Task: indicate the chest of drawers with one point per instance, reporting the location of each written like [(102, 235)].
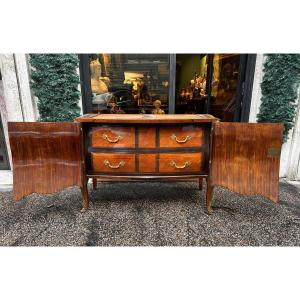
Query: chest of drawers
[(170, 149), (48, 157)]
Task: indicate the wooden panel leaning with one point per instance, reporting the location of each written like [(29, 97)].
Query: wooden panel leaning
[(246, 157), (47, 157)]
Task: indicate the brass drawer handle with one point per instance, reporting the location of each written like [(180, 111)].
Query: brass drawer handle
[(120, 164), (185, 165), (174, 137), (115, 140)]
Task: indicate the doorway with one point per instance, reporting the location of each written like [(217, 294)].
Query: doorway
[(218, 84)]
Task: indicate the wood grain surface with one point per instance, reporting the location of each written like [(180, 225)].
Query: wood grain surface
[(47, 157), (195, 160), (246, 157), (147, 137), (115, 162), (147, 163), (146, 118), (112, 137), (181, 136)]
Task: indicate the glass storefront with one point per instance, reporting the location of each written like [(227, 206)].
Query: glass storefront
[(129, 83), (191, 79), (224, 87), (165, 83)]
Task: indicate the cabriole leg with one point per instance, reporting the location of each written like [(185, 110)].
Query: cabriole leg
[(94, 183), (85, 197), (200, 183), (209, 196)]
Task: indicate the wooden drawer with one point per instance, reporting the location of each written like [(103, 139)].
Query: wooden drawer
[(184, 136), (113, 137), (181, 162), (113, 162)]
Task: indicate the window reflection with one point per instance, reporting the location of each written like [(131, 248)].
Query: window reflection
[(129, 83), (191, 77), (224, 85)]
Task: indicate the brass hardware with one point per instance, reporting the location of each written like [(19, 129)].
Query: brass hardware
[(115, 140), (120, 164), (186, 164), (174, 137), (273, 152)]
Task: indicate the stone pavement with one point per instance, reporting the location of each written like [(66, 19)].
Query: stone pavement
[(150, 214)]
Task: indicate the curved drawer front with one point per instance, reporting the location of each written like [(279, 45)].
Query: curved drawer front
[(181, 162), (184, 136), (113, 162), (113, 137)]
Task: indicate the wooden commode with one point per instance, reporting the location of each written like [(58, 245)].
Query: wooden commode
[(243, 157)]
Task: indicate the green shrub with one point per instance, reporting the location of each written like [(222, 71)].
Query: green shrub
[(280, 89), (54, 80)]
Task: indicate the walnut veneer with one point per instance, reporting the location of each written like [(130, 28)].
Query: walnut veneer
[(48, 157)]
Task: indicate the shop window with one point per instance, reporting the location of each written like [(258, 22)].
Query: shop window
[(224, 86), (191, 83), (129, 83), (218, 84)]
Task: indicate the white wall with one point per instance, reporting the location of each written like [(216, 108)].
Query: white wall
[(290, 154), (16, 101), (293, 161), (256, 90)]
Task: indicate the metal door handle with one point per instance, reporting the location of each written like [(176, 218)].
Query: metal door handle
[(185, 165), (111, 140), (120, 164), (174, 137)]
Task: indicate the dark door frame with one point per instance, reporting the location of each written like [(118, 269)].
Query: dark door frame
[(244, 89), (209, 77), (85, 83), (172, 83), (247, 87)]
